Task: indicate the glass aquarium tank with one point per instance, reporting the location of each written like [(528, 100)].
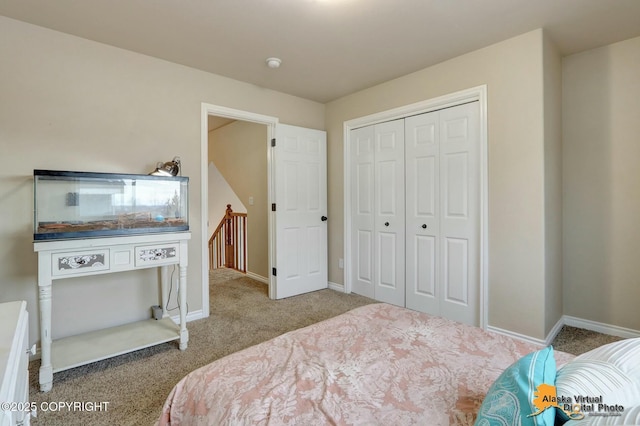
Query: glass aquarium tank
[(85, 204)]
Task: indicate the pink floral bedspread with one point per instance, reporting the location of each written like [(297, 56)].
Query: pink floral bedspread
[(375, 365)]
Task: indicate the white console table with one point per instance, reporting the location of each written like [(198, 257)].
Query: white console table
[(59, 259)]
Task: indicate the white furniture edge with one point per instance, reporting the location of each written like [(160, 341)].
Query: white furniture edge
[(14, 364)]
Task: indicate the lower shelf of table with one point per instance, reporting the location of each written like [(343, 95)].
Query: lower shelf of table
[(95, 346)]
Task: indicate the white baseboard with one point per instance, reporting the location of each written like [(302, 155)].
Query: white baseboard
[(191, 316), (258, 277), (613, 330), (554, 331), (516, 335), (599, 327), (336, 287)]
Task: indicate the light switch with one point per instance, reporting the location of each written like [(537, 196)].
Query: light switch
[(250, 201)]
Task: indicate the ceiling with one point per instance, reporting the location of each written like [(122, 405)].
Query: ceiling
[(329, 48)]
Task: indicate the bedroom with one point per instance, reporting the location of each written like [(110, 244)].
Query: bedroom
[(64, 95)]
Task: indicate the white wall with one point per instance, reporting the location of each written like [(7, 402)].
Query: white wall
[(601, 184), (72, 104)]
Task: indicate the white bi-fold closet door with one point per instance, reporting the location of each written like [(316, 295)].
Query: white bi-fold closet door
[(415, 217)]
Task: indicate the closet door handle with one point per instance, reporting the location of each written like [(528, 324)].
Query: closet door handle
[(323, 218), (424, 226), (386, 224)]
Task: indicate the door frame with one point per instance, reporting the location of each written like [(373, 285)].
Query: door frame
[(236, 114), (478, 93)]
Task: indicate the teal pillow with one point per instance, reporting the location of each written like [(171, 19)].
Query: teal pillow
[(510, 400)]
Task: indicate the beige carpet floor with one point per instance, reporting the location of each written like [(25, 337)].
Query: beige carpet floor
[(134, 386)]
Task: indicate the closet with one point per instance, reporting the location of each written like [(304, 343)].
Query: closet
[(415, 216)]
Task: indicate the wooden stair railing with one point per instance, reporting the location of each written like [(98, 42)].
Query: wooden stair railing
[(228, 243)]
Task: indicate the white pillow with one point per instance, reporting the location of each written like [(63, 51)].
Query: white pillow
[(611, 371), (630, 417)]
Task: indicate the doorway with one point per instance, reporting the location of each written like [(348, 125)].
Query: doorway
[(238, 204), (296, 181), (231, 114)]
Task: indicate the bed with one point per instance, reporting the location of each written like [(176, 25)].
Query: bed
[(377, 364)]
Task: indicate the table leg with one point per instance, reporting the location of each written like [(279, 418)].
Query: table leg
[(46, 368), (184, 333)]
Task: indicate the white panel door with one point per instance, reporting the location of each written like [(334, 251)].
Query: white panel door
[(300, 161), (362, 208), (460, 213), (422, 164), (389, 228)]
